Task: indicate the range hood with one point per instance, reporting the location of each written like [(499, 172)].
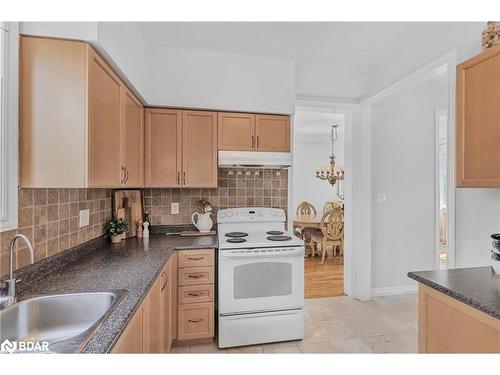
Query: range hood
[(255, 159)]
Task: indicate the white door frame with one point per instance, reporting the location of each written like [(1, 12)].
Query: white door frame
[(308, 105), (437, 207)]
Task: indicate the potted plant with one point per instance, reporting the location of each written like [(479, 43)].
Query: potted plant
[(115, 228)]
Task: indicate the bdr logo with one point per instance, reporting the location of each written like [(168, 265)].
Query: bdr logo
[(8, 346)]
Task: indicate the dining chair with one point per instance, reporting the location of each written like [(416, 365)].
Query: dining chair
[(330, 205), (332, 233), (308, 210)]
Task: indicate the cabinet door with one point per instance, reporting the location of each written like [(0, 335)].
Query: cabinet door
[(196, 321), (166, 308), (478, 121), (236, 131), (131, 340), (105, 111), (199, 149), (273, 133), (163, 147), (151, 320), (133, 140)]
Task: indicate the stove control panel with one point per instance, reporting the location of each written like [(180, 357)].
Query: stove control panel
[(269, 251), (251, 215)]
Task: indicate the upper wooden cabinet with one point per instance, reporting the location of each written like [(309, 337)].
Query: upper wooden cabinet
[(236, 131), (181, 148), (79, 125), (272, 132), (199, 149), (163, 147), (478, 120), (249, 132)]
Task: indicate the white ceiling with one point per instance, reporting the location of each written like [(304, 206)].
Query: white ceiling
[(346, 60)]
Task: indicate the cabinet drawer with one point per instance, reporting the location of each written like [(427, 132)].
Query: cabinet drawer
[(196, 294), (195, 276), (196, 321), (196, 258)]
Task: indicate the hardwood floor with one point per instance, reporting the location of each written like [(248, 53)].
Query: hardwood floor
[(323, 280)]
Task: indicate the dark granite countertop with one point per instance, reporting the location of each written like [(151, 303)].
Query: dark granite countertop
[(131, 265), (477, 287)]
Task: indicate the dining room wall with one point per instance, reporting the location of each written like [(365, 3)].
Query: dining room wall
[(311, 149)]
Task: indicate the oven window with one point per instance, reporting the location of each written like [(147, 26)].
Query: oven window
[(263, 279)]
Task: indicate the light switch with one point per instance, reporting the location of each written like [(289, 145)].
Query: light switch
[(381, 198), (84, 218), (174, 208)]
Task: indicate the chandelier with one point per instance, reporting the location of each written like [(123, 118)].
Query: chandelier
[(332, 173)]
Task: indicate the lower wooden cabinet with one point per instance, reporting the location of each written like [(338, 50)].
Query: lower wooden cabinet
[(446, 325), (196, 321), (176, 308), (195, 294), (131, 341), (150, 329)]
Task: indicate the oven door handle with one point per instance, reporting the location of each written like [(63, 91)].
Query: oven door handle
[(262, 256)]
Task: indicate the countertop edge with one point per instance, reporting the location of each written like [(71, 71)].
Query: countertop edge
[(455, 295)]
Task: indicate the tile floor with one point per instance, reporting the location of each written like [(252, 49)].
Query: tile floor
[(343, 325)]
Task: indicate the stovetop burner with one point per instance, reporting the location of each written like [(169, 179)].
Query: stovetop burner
[(236, 239), (236, 234), (279, 238), (274, 232)]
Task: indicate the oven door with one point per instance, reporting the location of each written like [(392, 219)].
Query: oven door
[(257, 280)]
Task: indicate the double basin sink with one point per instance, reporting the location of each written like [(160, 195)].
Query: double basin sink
[(62, 323)]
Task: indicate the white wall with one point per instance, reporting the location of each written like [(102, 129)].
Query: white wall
[(403, 227), (214, 80), (174, 77), (312, 148)]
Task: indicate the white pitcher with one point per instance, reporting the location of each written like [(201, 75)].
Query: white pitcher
[(203, 222)]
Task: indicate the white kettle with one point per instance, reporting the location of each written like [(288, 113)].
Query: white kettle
[(203, 222)]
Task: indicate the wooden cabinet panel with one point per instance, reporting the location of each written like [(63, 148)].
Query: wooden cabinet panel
[(133, 141), (196, 258), (236, 131), (199, 149), (163, 147), (273, 133), (196, 294), (166, 308), (105, 111), (53, 113), (195, 276), (446, 325), (151, 320), (478, 121), (173, 258), (196, 321), (131, 340)]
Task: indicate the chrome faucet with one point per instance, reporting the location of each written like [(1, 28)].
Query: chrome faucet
[(8, 298)]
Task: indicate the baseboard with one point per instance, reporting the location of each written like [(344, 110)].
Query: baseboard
[(394, 290)]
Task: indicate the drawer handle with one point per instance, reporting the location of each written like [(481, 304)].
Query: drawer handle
[(196, 276), (195, 294), (195, 320), (198, 258)]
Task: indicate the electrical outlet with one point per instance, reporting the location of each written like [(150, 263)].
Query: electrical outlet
[(84, 218), (174, 208)]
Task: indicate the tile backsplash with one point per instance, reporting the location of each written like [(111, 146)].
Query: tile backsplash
[(50, 218), (236, 188)]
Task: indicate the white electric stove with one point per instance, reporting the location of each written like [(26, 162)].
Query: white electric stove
[(261, 278)]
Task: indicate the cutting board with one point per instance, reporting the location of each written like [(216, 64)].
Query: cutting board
[(127, 204)]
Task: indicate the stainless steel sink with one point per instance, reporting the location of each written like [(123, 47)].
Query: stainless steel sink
[(65, 321)]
